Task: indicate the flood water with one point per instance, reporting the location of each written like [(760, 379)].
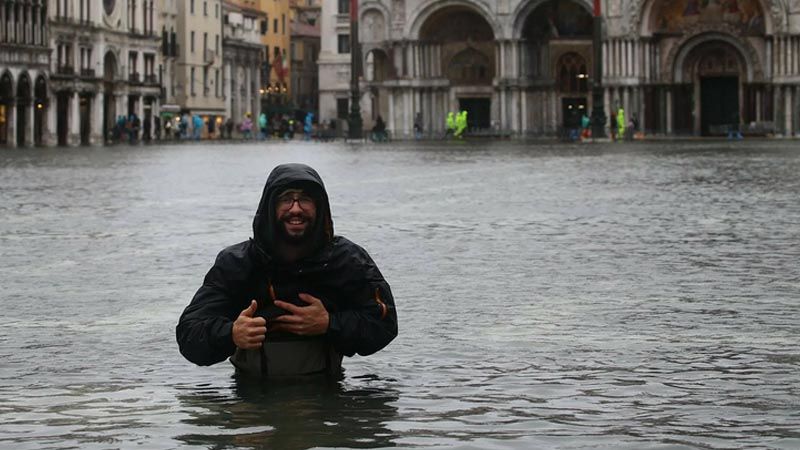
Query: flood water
[(641, 296)]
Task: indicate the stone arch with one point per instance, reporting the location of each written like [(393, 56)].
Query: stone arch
[(377, 65), (525, 8), (110, 66), (6, 101), (24, 92), (373, 23), (469, 67), (40, 100), (7, 91), (571, 73), (426, 9), (774, 14), (677, 57), (40, 89)]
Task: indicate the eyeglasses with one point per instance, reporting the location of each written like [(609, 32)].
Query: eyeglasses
[(286, 201)]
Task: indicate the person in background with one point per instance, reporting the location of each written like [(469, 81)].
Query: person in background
[(262, 126), (247, 126), (418, 126), (294, 299), (450, 125), (379, 130), (586, 124)]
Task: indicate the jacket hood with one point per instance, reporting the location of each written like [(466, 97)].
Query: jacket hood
[(283, 177)]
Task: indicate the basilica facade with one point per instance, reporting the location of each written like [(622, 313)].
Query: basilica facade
[(525, 67)]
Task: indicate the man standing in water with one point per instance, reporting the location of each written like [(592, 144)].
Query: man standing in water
[(293, 299)]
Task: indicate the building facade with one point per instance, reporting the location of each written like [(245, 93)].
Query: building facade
[(104, 65), (276, 67), (303, 54), (243, 57), (525, 66), (168, 70), (26, 113), (198, 71)]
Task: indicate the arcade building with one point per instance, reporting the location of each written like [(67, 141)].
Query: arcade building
[(524, 67)]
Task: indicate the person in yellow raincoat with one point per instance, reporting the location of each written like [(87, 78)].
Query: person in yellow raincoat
[(451, 124), (461, 124), (621, 122)]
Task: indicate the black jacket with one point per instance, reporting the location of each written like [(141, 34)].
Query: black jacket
[(359, 301)]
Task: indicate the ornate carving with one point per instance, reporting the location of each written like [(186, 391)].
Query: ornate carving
[(398, 10), (718, 31), (374, 26)]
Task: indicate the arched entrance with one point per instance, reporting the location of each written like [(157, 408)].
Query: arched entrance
[(24, 100), (573, 86), (464, 45), (376, 72), (109, 102), (707, 77), (6, 103), (40, 110), (557, 63), (716, 73)]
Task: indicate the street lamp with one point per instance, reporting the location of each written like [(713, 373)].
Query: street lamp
[(598, 112), (355, 123)]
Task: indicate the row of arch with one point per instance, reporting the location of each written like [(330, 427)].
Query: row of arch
[(18, 99), (465, 56), (643, 16)]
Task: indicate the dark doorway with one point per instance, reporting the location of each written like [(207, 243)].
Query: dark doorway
[(85, 112), (24, 102), (572, 110), (683, 109), (479, 112), (39, 110), (719, 103), (6, 102), (62, 113)]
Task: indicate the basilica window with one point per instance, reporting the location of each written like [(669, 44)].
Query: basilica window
[(572, 74)]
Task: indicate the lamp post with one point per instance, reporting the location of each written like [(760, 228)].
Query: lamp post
[(355, 123), (598, 112)]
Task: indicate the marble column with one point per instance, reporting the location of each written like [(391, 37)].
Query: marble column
[(669, 111), (49, 125), (787, 97), (96, 121), (11, 121), (74, 120), (391, 117)]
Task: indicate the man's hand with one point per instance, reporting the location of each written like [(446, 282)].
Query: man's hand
[(249, 331), (311, 320)]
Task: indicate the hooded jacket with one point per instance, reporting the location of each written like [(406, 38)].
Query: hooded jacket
[(340, 273)]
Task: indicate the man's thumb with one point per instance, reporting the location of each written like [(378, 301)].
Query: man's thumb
[(251, 310)]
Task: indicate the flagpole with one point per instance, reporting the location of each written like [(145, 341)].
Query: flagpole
[(598, 107), (355, 121)]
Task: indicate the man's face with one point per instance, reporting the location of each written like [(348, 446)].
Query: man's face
[(296, 212)]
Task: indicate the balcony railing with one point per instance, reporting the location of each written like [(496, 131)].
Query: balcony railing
[(88, 73), (151, 79), (133, 77), (65, 70)]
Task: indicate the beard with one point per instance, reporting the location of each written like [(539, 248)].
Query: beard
[(295, 228)]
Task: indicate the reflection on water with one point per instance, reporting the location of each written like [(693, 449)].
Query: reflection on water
[(284, 415), (549, 296)]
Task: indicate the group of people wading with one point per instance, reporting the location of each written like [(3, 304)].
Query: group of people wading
[(620, 128)]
